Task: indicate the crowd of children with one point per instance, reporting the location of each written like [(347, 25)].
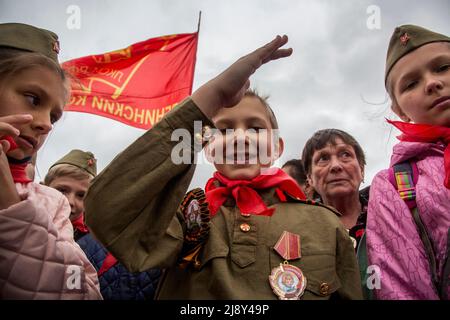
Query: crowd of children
[(250, 232)]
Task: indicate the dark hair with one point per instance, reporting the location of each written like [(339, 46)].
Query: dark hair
[(263, 99), (298, 172), (323, 137), (14, 60)]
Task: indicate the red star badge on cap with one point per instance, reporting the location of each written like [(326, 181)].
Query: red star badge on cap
[(404, 39)]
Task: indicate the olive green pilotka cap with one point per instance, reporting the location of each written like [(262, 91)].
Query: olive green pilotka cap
[(408, 38), (81, 159), (28, 38)]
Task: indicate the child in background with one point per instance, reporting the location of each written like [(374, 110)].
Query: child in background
[(249, 232), (71, 175), (39, 257), (294, 168), (409, 208)]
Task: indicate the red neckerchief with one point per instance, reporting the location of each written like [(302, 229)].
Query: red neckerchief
[(78, 224), (427, 133), (12, 144), (243, 191), (17, 169), (18, 172), (109, 261)]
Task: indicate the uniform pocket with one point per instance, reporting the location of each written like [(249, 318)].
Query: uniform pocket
[(319, 269), (320, 273), (321, 283)]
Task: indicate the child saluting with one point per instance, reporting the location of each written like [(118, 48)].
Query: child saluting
[(251, 234), (409, 209)]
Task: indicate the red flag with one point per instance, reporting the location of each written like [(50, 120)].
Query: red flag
[(136, 85)]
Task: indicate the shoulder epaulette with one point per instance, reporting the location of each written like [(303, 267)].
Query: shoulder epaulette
[(314, 203)]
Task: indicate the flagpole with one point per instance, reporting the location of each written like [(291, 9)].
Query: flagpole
[(196, 49), (199, 20)]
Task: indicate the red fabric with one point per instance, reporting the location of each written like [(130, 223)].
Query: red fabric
[(107, 264), (243, 191), (18, 172), (12, 143), (78, 224), (288, 246), (427, 133), (136, 85), (109, 261)]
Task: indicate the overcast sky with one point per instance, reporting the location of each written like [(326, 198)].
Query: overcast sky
[(334, 79)]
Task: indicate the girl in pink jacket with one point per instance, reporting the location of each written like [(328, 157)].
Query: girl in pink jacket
[(408, 223), (39, 258)]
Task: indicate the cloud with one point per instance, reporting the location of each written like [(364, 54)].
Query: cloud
[(333, 79)]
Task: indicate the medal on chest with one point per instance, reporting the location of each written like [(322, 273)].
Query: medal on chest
[(288, 281), (196, 216)]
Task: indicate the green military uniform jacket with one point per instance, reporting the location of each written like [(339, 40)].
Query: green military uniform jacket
[(132, 207)]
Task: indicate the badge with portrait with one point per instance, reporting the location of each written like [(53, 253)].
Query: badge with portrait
[(196, 216), (288, 281)]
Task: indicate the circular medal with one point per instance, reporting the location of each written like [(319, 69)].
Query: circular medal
[(193, 219), (287, 282), (196, 215)]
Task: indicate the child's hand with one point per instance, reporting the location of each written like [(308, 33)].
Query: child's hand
[(8, 194), (228, 88)]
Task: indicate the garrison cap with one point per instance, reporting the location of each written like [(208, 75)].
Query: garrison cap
[(29, 38), (408, 38), (81, 159)]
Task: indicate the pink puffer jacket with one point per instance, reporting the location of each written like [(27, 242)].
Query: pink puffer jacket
[(39, 258), (393, 241)]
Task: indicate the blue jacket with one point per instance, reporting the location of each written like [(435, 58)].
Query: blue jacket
[(118, 283)]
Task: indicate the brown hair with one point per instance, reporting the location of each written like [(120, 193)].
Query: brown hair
[(298, 172), (252, 93), (66, 170), (13, 61), (323, 137)]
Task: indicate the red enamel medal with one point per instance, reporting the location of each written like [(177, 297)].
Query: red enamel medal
[(287, 281)]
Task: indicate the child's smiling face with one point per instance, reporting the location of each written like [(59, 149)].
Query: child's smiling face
[(247, 131), (419, 84), (40, 92)]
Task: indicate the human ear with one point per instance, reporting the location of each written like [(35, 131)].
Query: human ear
[(209, 152), (279, 148), (309, 180), (362, 174)]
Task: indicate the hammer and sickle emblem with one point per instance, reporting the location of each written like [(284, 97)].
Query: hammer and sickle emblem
[(113, 56)]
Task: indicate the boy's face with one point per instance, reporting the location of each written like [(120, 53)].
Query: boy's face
[(40, 92), (420, 85), (74, 190), (248, 145)]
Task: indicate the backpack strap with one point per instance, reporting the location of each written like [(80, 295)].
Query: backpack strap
[(363, 263), (404, 177), (446, 274)]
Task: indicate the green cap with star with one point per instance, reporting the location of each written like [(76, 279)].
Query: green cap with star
[(408, 38), (29, 38), (81, 159)]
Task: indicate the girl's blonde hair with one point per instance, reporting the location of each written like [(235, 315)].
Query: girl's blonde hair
[(66, 170)]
